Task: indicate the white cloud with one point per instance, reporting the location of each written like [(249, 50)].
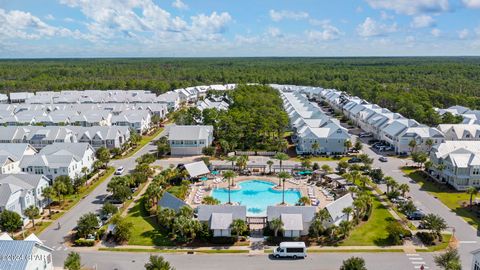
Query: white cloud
[(279, 15), (147, 22), (472, 3), (422, 21), (463, 34), (327, 32), (274, 32), (179, 4), (49, 17), (411, 7), (16, 24), (385, 16), (370, 28), (436, 32)]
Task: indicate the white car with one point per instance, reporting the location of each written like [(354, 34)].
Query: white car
[(290, 249), (383, 159), (119, 170)]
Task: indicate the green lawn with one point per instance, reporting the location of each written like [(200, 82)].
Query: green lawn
[(142, 143), (145, 232), (445, 242), (451, 198), (178, 191), (148, 250), (372, 232)]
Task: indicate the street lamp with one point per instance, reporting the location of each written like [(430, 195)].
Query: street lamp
[(283, 192)]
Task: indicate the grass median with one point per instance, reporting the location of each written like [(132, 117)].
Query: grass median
[(145, 139), (157, 250)]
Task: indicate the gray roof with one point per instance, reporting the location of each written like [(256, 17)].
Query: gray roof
[(170, 201), (19, 248), (24, 180), (189, 132), (307, 212), (6, 190), (335, 208), (292, 222), (14, 150), (221, 221), (196, 169), (205, 211)]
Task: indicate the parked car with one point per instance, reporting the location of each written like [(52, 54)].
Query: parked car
[(383, 159), (416, 215), (373, 141), (365, 134), (119, 170), (354, 160), (399, 200), (290, 250)]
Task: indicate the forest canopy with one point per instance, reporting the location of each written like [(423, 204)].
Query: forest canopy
[(411, 86), (255, 120)]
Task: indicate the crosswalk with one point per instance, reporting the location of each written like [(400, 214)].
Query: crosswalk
[(417, 261), (59, 248)]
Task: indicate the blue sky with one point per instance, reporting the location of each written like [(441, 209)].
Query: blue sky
[(205, 28)]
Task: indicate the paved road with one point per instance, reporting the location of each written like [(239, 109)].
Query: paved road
[(468, 236), (323, 261), (55, 238)]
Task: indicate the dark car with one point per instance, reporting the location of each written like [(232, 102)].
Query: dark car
[(417, 215), (354, 160)]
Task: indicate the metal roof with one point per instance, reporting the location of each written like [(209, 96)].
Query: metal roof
[(170, 201)]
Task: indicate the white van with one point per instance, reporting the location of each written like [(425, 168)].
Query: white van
[(290, 249)]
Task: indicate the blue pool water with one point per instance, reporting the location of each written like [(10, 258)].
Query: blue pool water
[(256, 195)]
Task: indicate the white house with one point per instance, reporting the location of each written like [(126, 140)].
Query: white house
[(60, 159), (476, 259), (20, 97), (335, 209), (140, 121), (221, 217), (109, 137), (456, 163), (296, 219), (11, 154), (460, 132), (27, 254), (172, 99), (19, 191), (189, 140)]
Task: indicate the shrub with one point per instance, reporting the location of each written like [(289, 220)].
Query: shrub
[(426, 238), (208, 151), (223, 240), (82, 242)]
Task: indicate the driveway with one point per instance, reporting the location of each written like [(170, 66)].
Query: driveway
[(54, 237), (467, 236)]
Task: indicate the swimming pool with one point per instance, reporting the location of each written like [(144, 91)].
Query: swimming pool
[(256, 195)]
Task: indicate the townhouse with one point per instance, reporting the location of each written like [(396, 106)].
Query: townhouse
[(171, 99), (20, 191), (140, 121), (12, 154), (109, 137), (469, 116), (20, 97), (60, 159), (460, 132), (313, 131), (189, 140), (456, 163), (3, 99)]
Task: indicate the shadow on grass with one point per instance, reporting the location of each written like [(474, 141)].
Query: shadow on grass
[(158, 236), (457, 201)]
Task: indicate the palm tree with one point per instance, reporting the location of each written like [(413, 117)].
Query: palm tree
[(450, 260), (304, 201), (32, 212), (353, 263), (347, 211), (154, 193), (348, 145), (315, 147), (403, 188), (283, 176), (276, 225), (158, 263), (281, 157), (229, 175), (239, 226), (84, 171), (472, 191), (209, 200), (390, 182), (435, 223), (232, 159), (242, 162), (48, 193), (344, 228), (364, 180), (270, 164), (326, 169), (412, 144)]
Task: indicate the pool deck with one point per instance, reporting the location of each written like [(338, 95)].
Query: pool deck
[(209, 185)]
